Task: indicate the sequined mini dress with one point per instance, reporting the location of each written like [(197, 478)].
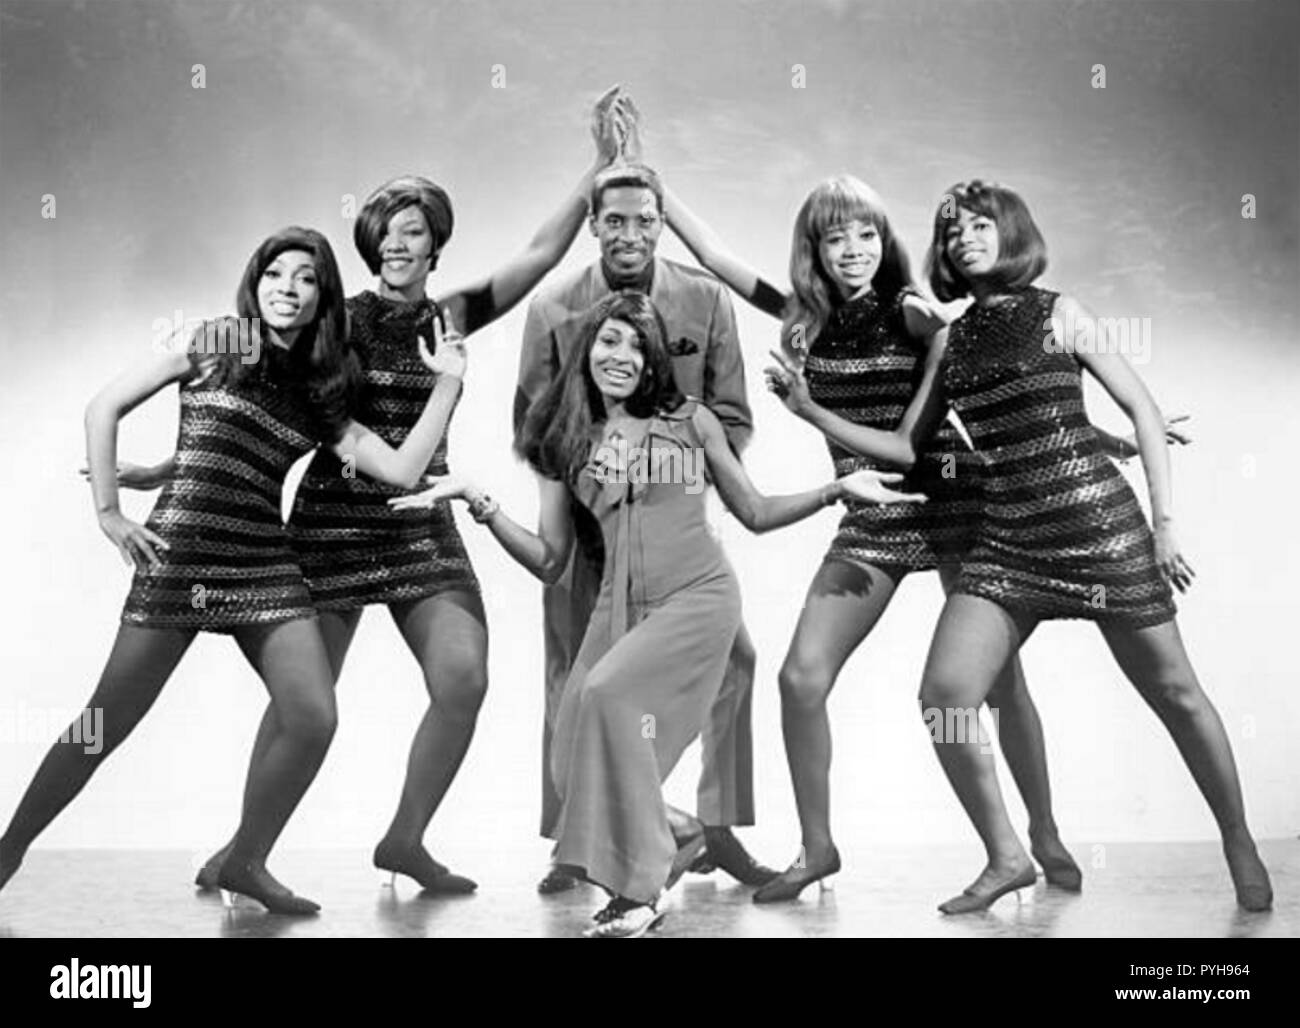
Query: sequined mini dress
[(1061, 534), (865, 367), (355, 549), (229, 562)]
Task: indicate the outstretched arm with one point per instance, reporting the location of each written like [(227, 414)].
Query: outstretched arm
[(544, 554), (708, 248), (760, 513), (484, 301), (1122, 447)]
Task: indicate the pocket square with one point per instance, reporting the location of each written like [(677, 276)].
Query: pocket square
[(682, 347)]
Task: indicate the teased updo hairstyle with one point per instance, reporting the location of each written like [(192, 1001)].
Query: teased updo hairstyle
[(397, 195)]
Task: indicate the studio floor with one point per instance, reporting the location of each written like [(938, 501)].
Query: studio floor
[(1130, 890)]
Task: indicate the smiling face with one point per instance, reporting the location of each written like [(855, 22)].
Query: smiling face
[(617, 359), (288, 291), (628, 225), (971, 243), (406, 252), (850, 256)]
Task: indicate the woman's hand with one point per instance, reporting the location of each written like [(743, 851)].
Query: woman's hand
[(788, 383), (448, 357), (135, 476), (603, 131), (627, 126), (872, 486), (135, 542), (442, 487), (1170, 561)]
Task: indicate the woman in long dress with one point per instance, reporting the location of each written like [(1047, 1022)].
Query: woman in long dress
[(613, 434)]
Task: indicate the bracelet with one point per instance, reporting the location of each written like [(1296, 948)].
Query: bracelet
[(482, 508)]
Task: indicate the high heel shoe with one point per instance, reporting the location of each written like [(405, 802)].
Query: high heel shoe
[(1255, 895), (623, 918), (234, 883), (970, 902), (557, 880), (1255, 898), (689, 851), (791, 882), (206, 878), (426, 872), (1059, 871), (727, 852)]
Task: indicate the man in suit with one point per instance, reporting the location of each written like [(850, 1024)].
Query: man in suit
[(627, 219)]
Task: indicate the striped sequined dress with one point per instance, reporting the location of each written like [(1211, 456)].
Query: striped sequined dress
[(1061, 534), (354, 548), (865, 367), (229, 562)]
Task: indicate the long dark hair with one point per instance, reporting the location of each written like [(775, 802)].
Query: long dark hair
[(836, 201), (555, 435), (319, 360)]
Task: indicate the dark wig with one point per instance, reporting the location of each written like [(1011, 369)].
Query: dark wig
[(1022, 253), (319, 360), (555, 436), (396, 195)]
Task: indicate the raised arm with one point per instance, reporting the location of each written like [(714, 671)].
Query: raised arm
[(121, 396), (486, 300), (760, 513), (927, 408), (708, 248), (1119, 379), (405, 465), (544, 554)]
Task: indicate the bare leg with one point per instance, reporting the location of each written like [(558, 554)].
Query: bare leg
[(337, 629), (1020, 735), (447, 634), (844, 603), (973, 641), (291, 660), (141, 661), (1155, 661)]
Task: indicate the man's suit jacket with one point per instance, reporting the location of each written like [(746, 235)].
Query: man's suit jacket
[(701, 337)]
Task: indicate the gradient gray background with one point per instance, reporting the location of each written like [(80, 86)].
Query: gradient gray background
[(163, 190)]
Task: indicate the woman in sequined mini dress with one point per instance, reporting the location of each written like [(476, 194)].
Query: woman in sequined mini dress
[(1061, 534), (865, 337), (355, 549), (256, 393)]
